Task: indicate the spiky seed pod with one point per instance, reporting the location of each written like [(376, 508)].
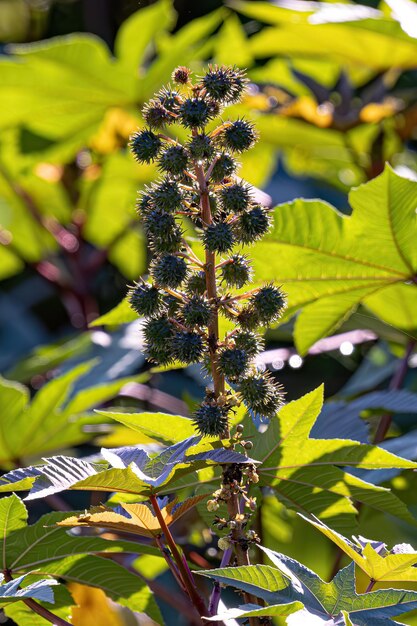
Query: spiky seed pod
[(201, 147), (233, 363), (167, 195), (237, 271), (235, 197), (197, 311), (144, 204), (158, 223), (238, 136), (145, 299), (196, 284), (261, 394), (170, 242), (250, 342), (173, 160), (225, 84), (248, 318), (225, 166), (181, 75), (210, 420), (194, 113), (253, 224), (187, 347), (158, 332), (170, 100), (169, 271), (156, 115), (214, 108), (218, 237), (160, 356), (145, 146), (269, 303), (171, 305)]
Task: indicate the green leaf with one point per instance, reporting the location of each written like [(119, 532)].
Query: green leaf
[(118, 583), (139, 31), (26, 548), (161, 427), (356, 37), (329, 263), (305, 472), (320, 602), (378, 567), (13, 516), (121, 314)]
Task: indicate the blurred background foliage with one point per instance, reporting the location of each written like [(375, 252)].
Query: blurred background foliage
[(333, 93)]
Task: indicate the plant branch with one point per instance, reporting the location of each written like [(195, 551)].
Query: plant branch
[(216, 593), (395, 384), (186, 576)]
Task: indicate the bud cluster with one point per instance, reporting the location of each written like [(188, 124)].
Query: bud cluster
[(182, 303)]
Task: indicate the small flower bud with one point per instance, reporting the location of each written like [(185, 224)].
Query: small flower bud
[(224, 543), (212, 505), (240, 428), (232, 524), (181, 75), (248, 445)]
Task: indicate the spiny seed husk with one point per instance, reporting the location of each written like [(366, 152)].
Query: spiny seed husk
[(145, 299), (187, 347), (197, 311), (218, 237), (233, 363), (145, 146), (169, 271), (210, 420), (237, 271)]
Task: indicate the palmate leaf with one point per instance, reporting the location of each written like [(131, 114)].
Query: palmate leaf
[(135, 518), (25, 548), (379, 566), (330, 604), (39, 546), (118, 583), (162, 427), (50, 421), (128, 469), (306, 473), (330, 263)]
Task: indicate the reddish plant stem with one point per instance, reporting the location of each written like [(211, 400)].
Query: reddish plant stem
[(170, 563), (370, 586), (395, 383), (186, 576), (233, 508)]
